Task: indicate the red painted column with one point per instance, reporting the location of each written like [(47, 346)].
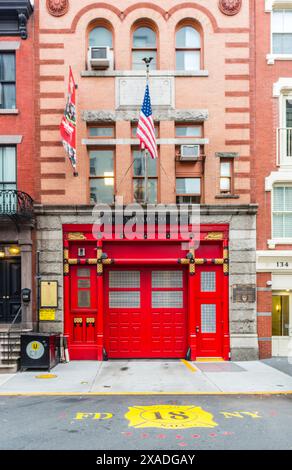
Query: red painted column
[(66, 290), (225, 303), (100, 325), (192, 316)]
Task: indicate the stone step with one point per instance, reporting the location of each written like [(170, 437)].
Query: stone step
[(9, 368)]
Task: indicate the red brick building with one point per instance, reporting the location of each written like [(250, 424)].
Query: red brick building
[(273, 175), (19, 166), (143, 298)]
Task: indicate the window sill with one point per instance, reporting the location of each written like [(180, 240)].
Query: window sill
[(9, 111), (271, 58), (227, 196), (279, 241), (141, 73)]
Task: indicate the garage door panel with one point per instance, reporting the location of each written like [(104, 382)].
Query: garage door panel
[(145, 313)]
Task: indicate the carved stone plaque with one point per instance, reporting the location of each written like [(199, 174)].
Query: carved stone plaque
[(230, 7), (244, 293), (57, 7), (130, 92)]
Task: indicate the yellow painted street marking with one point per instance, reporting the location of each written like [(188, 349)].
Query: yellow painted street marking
[(46, 376), (209, 359), (240, 414), (169, 417), (189, 365), (99, 416)]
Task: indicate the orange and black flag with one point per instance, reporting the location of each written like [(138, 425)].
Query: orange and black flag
[(68, 123)]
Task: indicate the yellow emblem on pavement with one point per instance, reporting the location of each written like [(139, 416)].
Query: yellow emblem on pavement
[(169, 417)]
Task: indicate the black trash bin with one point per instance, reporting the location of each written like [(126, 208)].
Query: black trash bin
[(39, 351)]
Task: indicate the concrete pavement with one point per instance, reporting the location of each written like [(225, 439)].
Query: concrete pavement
[(150, 377), (145, 422)]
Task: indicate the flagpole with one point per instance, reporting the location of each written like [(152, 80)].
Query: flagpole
[(147, 61)]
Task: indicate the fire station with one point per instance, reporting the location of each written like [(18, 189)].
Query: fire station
[(156, 298)]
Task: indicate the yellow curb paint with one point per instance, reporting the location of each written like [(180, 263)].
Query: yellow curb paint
[(104, 394), (45, 376), (209, 359), (189, 365)]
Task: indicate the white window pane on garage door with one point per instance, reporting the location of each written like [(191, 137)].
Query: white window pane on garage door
[(124, 279), (167, 279), (129, 299), (167, 299)]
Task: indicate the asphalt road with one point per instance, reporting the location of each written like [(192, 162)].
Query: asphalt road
[(146, 422)]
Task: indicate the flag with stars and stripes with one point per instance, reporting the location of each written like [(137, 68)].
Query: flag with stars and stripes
[(146, 130)]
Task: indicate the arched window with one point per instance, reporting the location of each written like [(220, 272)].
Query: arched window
[(188, 49), (100, 37), (144, 45)]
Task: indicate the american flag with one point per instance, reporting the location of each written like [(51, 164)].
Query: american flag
[(146, 130)]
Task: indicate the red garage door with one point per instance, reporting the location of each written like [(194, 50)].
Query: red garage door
[(145, 313)]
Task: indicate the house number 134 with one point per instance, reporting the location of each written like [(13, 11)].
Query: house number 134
[(282, 264)]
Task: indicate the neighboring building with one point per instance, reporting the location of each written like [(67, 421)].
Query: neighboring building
[(273, 175), (18, 163), (147, 303)]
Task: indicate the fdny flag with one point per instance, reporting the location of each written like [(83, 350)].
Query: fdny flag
[(68, 123), (146, 130)]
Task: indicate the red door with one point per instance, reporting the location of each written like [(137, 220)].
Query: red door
[(209, 311), (145, 313), (83, 312)]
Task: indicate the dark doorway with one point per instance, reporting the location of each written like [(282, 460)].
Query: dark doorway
[(10, 289)]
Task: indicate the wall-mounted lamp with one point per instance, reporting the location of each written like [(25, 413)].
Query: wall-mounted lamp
[(14, 250), (2, 252)]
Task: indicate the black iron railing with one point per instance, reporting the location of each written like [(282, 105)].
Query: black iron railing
[(9, 341), (15, 203)]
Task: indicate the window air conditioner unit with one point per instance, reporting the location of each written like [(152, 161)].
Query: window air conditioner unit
[(189, 153), (100, 58)]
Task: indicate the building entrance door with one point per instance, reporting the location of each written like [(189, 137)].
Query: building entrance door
[(281, 324), (209, 311), (10, 289)]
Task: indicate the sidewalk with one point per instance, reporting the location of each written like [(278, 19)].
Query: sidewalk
[(146, 377)]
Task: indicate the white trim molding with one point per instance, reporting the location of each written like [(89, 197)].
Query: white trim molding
[(10, 139), (9, 45), (112, 142), (278, 261), (281, 176), (283, 84), (270, 4)]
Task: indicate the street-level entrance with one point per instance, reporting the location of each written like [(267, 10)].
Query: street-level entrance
[(209, 314), (10, 289), (145, 313)]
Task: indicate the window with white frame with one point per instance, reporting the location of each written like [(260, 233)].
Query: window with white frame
[(282, 31), (282, 211), (7, 80), (188, 49), (144, 45)]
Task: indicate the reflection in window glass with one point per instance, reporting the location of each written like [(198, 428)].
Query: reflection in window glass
[(84, 298), (188, 185), (101, 131), (144, 45), (188, 131), (100, 37)]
